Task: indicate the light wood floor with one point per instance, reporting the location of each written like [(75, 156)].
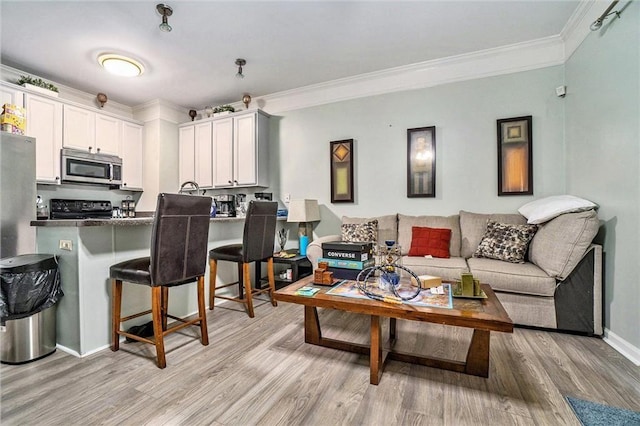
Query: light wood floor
[(259, 371)]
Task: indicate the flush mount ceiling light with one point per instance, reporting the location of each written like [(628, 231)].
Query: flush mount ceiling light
[(120, 65), (165, 11), (240, 63)]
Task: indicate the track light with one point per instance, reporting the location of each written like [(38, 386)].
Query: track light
[(240, 63), (165, 11)]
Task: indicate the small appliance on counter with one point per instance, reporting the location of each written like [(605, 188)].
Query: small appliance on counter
[(241, 205), (225, 205), (264, 196), (79, 209), (128, 208)]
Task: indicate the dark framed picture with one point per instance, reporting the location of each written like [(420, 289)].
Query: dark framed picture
[(342, 171), (421, 162), (515, 159)]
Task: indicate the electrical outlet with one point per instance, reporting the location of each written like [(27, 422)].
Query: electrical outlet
[(287, 197), (66, 245)]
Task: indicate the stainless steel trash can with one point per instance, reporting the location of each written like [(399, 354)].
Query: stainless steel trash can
[(29, 291), (28, 339)]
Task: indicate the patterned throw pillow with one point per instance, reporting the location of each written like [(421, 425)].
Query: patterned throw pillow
[(506, 242), (360, 232)]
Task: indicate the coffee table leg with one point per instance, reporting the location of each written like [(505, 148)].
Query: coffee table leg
[(478, 355), (375, 354), (312, 333), (392, 329)]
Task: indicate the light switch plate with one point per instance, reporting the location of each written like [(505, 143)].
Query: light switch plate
[(66, 245)]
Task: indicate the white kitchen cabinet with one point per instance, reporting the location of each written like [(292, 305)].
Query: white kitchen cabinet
[(9, 95), (186, 153), (79, 128), (195, 151), (245, 148), (108, 134), (132, 156), (223, 152), (44, 122)]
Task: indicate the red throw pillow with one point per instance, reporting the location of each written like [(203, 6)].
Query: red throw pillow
[(430, 241)]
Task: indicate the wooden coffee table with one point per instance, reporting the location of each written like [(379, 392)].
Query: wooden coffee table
[(483, 316)]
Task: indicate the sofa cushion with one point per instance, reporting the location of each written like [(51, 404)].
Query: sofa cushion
[(525, 278), (387, 225), (545, 209), (427, 241), (560, 243), (358, 232), (447, 269), (473, 225), (503, 241), (406, 223)]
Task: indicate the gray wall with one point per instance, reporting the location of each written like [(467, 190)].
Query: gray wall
[(603, 156), (465, 117)]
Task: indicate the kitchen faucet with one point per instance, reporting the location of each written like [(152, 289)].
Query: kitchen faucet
[(194, 186)]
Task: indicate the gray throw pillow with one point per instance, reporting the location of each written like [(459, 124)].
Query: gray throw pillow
[(503, 241)]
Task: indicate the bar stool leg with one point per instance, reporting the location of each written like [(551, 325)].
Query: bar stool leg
[(247, 287), (165, 307), (272, 281), (202, 312), (156, 307), (116, 304), (213, 270)]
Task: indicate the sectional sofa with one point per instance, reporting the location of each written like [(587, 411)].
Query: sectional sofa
[(558, 285)]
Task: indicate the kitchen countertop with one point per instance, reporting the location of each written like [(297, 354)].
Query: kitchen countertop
[(130, 221)]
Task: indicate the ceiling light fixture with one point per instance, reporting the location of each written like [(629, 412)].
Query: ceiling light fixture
[(598, 22), (120, 65), (165, 11), (240, 63)]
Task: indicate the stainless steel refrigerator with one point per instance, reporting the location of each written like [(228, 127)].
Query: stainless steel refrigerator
[(17, 194)]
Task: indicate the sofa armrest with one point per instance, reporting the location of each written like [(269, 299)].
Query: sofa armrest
[(314, 249), (578, 297)]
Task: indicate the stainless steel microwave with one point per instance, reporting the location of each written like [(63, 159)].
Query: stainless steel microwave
[(84, 167)]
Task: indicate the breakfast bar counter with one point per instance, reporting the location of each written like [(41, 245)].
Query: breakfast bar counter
[(87, 248)]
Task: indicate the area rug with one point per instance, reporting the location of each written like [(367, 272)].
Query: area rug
[(592, 414)]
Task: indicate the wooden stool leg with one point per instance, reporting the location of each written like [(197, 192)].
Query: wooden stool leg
[(240, 280), (213, 270), (272, 281), (116, 304), (156, 307), (247, 287), (165, 306), (202, 312)]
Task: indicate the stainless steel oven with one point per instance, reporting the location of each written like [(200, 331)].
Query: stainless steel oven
[(84, 167)]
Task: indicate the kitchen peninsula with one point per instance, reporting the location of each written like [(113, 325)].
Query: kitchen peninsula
[(87, 248)]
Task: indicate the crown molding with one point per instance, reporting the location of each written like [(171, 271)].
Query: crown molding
[(159, 109), (578, 26), (11, 75), (517, 57)]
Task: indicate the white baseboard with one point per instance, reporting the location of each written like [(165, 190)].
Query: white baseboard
[(625, 348), (76, 354)]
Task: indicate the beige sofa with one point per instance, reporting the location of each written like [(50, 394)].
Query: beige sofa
[(559, 286)]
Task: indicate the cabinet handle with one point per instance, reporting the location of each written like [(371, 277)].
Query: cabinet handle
[(230, 183), (235, 181), (98, 149), (57, 177), (124, 184), (90, 148)]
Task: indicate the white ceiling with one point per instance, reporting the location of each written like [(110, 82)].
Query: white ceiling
[(287, 44)]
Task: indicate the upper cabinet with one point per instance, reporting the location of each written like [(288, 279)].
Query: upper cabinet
[(132, 156), (237, 149), (96, 133), (44, 122), (9, 95)]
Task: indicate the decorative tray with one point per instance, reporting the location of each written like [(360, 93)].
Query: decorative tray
[(482, 295)]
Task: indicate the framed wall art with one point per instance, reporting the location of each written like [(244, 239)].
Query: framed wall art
[(421, 162), (515, 159), (342, 171)]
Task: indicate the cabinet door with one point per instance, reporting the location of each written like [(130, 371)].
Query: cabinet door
[(223, 152), (186, 154), (203, 155), (11, 96), (244, 144), (132, 156), (44, 122), (78, 130), (108, 134)]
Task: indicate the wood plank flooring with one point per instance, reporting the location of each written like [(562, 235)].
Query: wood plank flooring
[(260, 372)]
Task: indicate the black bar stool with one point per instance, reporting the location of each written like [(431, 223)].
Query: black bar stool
[(178, 256), (257, 246)]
